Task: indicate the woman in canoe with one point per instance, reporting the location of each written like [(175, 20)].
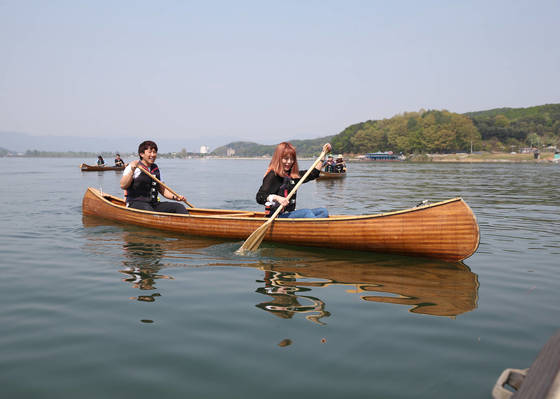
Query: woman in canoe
[(141, 191), (280, 178)]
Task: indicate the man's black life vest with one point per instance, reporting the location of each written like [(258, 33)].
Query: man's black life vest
[(143, 187)]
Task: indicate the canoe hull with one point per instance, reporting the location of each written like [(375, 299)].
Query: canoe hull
[(328, 175), (446, 230), (94, 168)]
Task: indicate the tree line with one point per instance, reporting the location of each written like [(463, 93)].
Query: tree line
[(433, 131), (436, 131)]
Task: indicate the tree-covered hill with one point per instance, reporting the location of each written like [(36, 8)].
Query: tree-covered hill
[(514, 126), (249, 149), (424, 131), (433, 131)]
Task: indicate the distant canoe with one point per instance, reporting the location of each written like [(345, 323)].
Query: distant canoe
[(95, 168), (329, 175), (445, 230)]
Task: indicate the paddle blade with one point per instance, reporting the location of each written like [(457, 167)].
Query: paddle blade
[(253, 242)]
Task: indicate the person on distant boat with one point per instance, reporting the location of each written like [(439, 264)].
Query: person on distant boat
[(340, 166), (280, 178), (141, 190), (100, 161), (118, 160), (329, 164)]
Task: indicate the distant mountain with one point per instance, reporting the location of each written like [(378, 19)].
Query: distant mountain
[(250, 149), (21, 142)]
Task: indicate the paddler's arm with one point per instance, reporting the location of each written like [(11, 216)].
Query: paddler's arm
[(169, 195), (326, 149), (126, 179)]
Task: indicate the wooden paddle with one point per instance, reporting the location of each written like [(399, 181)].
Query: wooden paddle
[(255, 239), (164, 185)]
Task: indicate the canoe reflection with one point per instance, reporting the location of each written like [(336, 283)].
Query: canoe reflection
[(295, 278), (428, 287)]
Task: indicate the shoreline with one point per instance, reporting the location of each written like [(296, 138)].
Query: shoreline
[(547, 158)]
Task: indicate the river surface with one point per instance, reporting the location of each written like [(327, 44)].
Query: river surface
[(95, 309)]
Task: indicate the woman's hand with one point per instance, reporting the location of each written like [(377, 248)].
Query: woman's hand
[(281, 200), (178, 198)]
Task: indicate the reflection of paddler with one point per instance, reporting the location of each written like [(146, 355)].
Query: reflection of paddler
[(142, 266), (286, 300)]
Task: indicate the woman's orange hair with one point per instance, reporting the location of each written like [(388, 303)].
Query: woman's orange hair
[(283, 150)]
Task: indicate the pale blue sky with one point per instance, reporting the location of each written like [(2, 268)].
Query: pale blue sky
[(265, 70)]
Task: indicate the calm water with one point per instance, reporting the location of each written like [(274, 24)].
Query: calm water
[(95, 309)]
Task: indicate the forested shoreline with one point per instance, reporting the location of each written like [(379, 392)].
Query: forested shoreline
[(434, 131)]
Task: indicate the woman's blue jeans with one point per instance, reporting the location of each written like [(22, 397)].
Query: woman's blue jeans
[(306, 213)]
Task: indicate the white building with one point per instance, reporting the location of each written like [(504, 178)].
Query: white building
[(204, 149)]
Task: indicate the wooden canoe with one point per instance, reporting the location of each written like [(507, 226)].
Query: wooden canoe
[(329, 175), (95, 168), (445, 230), (424, 286)]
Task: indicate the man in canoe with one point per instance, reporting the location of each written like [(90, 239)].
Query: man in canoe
[(141, 191), (100, 161), (280, 178), (118, 160), (329, 164)]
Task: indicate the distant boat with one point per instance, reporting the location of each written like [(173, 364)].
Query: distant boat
[(331, 175), (95, 168), (383, 156)]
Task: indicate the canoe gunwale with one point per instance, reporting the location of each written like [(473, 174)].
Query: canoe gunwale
[(231, 214)]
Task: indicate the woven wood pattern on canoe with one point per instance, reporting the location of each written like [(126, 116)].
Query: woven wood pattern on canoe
[(445, 230), (94, 168)]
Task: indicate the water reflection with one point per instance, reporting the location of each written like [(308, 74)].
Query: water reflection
[(426, 286), (295, 280), (288, 300), (141, 265), (144, 253)]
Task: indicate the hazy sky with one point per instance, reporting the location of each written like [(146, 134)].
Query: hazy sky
[(266, 70)]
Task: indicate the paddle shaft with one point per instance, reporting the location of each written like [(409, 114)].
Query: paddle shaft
[(164, 185)]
